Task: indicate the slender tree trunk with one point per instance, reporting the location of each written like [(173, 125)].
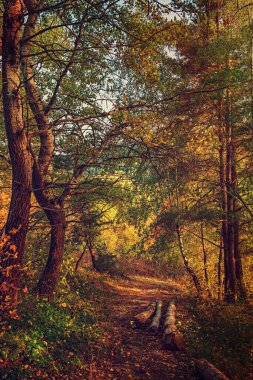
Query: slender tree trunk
[(92, 254), (236, 221), (18, 216), (223, 190), (238, 262), (80, 258), (219, 268), (251, 66), (231, 293), (225, 153), (204, 258), (186, 262)]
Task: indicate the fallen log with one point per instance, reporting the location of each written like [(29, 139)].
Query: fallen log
[(208, 371), (171, 337), (142, 318), (154, 327)]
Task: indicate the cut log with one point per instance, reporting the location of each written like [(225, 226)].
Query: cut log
[(142, 318), (207, 371), (154, 327), (171, 337)]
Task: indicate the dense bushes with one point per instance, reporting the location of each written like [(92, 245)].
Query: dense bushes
[(49, 340), (222, 334)]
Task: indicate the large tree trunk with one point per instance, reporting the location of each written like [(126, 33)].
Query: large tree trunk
[(55, 213), (186, 262), (53, 206), (18, 216), (50, 275)]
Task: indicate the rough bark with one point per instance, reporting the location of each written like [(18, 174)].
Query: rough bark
[(18, 216), (154, 326), (171, 337), (142, 318), (52, 206), (56, 216), (207, 371), (186, 262)]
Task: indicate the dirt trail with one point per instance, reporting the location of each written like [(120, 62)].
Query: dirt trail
[(132, 353)]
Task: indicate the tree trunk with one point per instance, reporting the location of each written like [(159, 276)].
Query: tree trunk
[(92, 255), (236, 220), (223, 190), (54, 210), (80, 258), (50, 275), (18, 216), (186, 262), (219, 269), (205, 260), (53, 206), (231, 291)]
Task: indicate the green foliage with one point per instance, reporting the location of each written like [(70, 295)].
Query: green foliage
[(222, 334), (49, 339)]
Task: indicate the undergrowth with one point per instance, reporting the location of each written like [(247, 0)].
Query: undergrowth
[(222, 334), (51, 340)]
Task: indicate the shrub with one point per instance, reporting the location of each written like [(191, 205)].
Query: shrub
[(48, 340), (221, 333)]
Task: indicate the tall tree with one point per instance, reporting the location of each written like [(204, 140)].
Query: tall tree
[(18, 217)]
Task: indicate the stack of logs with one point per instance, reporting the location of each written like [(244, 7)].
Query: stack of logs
[(172, 338)]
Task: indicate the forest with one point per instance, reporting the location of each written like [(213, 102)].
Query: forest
[(126, 189)]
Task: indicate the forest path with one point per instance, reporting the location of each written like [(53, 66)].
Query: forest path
[(133, 353)]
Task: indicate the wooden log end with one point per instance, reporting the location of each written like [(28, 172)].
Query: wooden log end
[(153, 329), (139, 322), (208, 371), (174, 341)]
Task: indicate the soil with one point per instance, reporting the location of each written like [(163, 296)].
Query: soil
[(130, 353)]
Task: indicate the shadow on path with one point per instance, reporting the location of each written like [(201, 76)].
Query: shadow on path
[(131, 353)]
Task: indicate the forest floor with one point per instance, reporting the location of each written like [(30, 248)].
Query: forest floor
[(131, 353), (87, 333)]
